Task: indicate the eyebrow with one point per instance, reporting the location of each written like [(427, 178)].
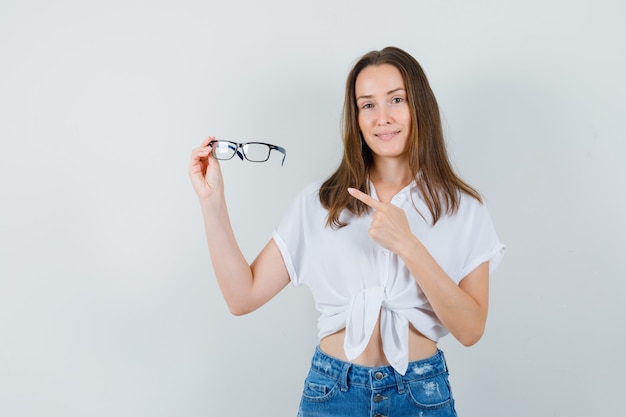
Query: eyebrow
[(388, 93)]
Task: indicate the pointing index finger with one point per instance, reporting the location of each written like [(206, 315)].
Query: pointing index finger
[(367, 199)]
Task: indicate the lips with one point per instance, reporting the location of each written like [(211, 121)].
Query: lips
[(386, 136)]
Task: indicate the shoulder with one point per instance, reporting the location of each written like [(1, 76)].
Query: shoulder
[(313, 188), (470, 203), (304, 215), (309, 193), (472, 216), (470, 209), (307, 199)]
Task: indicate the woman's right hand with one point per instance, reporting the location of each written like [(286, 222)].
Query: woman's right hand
[(205, 172)]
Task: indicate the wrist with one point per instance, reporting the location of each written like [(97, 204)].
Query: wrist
[(408, 248), (212, 202)]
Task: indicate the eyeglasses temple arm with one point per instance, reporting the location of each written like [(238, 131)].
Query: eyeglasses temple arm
[(282, 150)]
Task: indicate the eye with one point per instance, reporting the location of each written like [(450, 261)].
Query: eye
[(397, 100), (367, 106)]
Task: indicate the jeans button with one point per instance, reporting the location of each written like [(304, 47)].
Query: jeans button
[(378, 398), (379, 375)]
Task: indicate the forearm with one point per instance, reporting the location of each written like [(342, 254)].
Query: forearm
[(462, 313), (232, 270)]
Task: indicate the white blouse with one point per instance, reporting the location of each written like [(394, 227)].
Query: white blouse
[(353, 279)]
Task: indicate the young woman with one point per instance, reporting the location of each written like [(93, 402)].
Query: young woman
[(396, 249)]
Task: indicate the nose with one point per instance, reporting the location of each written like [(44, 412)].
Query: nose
[(383, 116)]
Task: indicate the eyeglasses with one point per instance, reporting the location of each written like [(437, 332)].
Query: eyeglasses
[(252, 151)]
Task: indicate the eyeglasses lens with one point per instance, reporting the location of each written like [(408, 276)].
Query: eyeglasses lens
[(223, 150), (256, 152)]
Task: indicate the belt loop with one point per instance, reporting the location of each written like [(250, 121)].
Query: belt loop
[(443, 359), (399, 382), (343, 379)]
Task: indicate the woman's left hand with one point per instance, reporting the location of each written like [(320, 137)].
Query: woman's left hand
[(390, 226)]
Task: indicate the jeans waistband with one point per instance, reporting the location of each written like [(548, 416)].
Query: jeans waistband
[(377, 377)]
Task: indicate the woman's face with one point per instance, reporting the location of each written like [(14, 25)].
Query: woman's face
[(384, 114)]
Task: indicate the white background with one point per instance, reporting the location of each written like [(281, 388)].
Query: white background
[(108, 304)]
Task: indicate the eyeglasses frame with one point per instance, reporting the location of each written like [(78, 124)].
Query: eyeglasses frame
[(241, 154)]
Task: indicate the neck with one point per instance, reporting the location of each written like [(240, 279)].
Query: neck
[(389, 176), (391, 171)]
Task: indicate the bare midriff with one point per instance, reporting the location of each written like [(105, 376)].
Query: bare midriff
[(420, 347)]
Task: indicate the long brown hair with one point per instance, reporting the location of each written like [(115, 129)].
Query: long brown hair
[(437, 181)]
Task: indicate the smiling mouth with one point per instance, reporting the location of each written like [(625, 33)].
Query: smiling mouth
[(387, 135)]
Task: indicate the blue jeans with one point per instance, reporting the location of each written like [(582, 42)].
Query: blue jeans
[(337, 388)]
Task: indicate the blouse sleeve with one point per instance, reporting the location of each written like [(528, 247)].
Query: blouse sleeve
[(290, 232), (484, 244)]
